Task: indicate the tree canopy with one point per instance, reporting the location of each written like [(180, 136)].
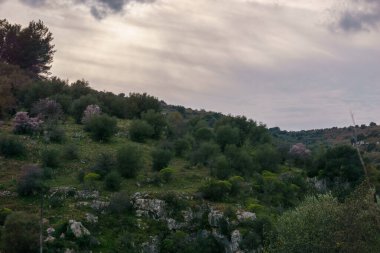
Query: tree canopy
[(30, 47)]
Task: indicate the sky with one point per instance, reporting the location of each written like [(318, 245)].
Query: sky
[(295, 64)]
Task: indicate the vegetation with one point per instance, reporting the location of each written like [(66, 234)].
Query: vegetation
[(141, 174)]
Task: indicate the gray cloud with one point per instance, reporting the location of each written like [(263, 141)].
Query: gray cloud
[(358, 15), (99, 9)]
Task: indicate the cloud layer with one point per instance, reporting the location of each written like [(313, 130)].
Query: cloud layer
[(287, 63)]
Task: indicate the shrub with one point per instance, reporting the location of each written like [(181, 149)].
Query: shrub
[(221, 168), (51, 158), (101, 127), (81, 174), (166, 175), (4, 212), (91, 111), (120, 203), (139, 130), (181, 146), (204, 134), (21, 233), (112, 182), (205, 153), (71, 152), (226, 135), (129, 160), (11, 147), (79, 105), (104, 164), (90, 178), (23, 124), (237, 185), (47, 109), (54, 133), (216, 190), (156, 120), (30, 181), (161, 158)]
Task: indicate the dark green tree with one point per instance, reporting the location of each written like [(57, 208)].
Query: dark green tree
[(30, 47)]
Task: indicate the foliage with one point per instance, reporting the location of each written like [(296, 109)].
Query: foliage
[(129, 160), (30, 181), (161, 158), (30, 47), (181, 146), (23, 124), (120, 203), (47, 109), (21, 233), (156, 120), (216, 190), (54, 133), (11, 146), (4, 212), (139, 103), (204, 134), (240, 160), (166, 175), (71, 152), (227, 135), (112, 181), (104, 164), (221, 168), (89, 112), (80, 104), (51, 158), (139, 130), (102, 127), (322, 224), (205, 154)]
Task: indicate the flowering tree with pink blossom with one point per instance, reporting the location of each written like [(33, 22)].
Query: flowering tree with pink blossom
[(23, 124), (89, 112)]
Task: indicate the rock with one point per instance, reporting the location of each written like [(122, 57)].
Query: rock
[(188, 215), (78, 229), (49, 239), (62, 192), (69, 251), (153, 207), (235, 241), (82, 204), (173, 224), (85, 194), (8, 194), (90, 218), (152, 246), (214, 218), (99, 205), (50, 231), (45, 221), (245, 216), (62, 236)]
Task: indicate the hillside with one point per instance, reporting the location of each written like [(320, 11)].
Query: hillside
[(83, 170)]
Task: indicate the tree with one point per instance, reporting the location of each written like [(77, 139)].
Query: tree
[(129, 160), (30, 48), (21, 232)]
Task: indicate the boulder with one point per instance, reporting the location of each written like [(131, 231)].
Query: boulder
[(49, 239), (214, 218), (152, 246), (99, 205), (245, 216), (86, 194), (154, 208), (78, 229), (235, 241), (90, 218)]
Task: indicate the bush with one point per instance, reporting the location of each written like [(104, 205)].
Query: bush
[(226, 135), (21, 233), (51, 158), (30, 181), (129, 160), (79, 105), (181, 146), (104, 164), (166, 175), (91, 111), (139, 130), (120, 203), (161, 158), (47, 109), (11, 147), (221, 168), (205, 154), (216, 190), (71, 152), (204, 134), (156, 120), (23, 124), (101, 127), (112, 182), (54, 133), (4, 212), (81, 174)]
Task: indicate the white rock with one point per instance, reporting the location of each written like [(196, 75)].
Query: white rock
[(49, 239), (214, 218), (78, 229), (50, 231), (90, 218), (244, 216), (235, 240)]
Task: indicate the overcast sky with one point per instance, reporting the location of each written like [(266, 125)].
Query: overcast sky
[(296, 64)]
